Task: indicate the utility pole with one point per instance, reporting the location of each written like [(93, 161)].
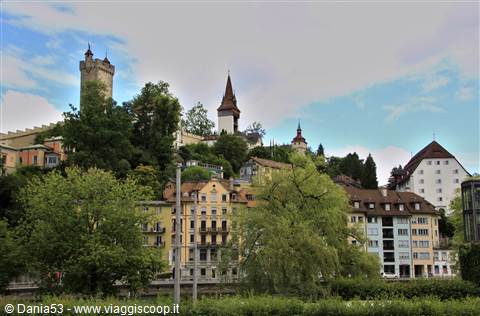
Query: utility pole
[(195, 252), (178, 232)]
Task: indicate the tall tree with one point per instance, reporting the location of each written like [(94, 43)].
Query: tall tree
[(369, 176), (320, 150), (99, 134), (352, 166), (197, 122), (156, 116), (233, 148), (296, 234), (91, 222), (11, 264), (255, 128)]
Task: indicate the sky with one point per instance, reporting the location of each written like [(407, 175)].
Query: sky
[(379, 77)]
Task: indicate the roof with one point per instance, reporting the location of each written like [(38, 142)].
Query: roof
[(347, 181), (408, 199), (169, 194), (271, 163), (229, 101), (299, 138)]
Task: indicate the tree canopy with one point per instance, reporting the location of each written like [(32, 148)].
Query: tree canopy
[(86, 226), (195, 173), (297, 233), (369, 175), (255, 128), (196, 121), (233, 148)]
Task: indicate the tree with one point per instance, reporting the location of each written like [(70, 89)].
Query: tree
[(156, 116), (296, 234), (99, 134), (86, 227), (203, 153), (197, 122), (456, 218), (352, 166), (369, 176), (445, 226), (10, 264), (255, 128), (320, 150), (333, 166), (195, 173), (233, 148), (261, 152), (148, 176)]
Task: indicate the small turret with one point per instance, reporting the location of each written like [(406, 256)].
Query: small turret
[(298, 142)]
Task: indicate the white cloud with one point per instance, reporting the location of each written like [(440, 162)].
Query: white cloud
[(413, 104), (385, 158), (282, 55), (20, 110), (465, 94), (435, 82), (43, 60)]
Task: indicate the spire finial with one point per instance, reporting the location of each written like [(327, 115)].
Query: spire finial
[(299, 125)]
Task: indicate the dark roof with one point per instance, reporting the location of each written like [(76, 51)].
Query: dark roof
[(347, 181), (229, 101), (88, 52), (299, 138), (408, 199)]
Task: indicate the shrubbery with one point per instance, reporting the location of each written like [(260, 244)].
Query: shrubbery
[(470, 262), (379, 289)]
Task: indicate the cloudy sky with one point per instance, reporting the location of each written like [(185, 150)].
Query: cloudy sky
[(371, 77)]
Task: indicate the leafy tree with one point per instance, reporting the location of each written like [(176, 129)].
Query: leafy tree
[(87, 227), (456, 218), (233, 148), (203, 153), (469, 257), (255, 128), (99, 134), (261, 152), (296, 234), (10, 264), (147, 176), (333, 166), (445, 226), (197, 122), (195, 173), (57, 130), (156, 115), (369, 177), (2, 166), (352, 166), (320, 150)]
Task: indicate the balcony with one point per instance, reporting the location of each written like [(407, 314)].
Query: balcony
[(159, 244), (202, 230), (160, 230), (223, 230), (387, 233), (212, 230)]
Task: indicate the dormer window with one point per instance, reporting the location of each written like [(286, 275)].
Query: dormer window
[(417, 206), (356, 204), (371, 205), (387, 207), (400, 207)]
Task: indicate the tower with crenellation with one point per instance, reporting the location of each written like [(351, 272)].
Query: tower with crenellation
[(97, 69)]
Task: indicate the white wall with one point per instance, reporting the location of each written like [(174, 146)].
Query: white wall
[(225, 123)]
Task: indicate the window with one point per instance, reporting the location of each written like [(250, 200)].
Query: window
[(439, 190), (203, 272), (417, 206), (372, 219), (438, 181), (414, 232), (435, 255), (435, 221), (204, 210), (420, 172), (415, 243), (224, 198), (423, 244), (422, 190), (192, 224), (52, 160), (438, 162), (371, 205), (423, 255), (415, 255), (387, 207), (423, 232), (422, 220), (191, 255), (354, 242), (356, 204), (20, 160), (446, 162), (360, 219), (213, 197), (456, 181), (402, 232), (144, 227), (203, 254), (213, 274), (400, 207), (353, 219), (455, 171), (402, 220), (192, 236), (437, 171), (373, 243), (372, 231), (439, 199), (145, 209), (214, 225), (429, 162), (213, 254), (214, 239), (403, 244), (444, 256), (204, 197), (214, 211), (421, 181), (35, 160), (404, 255), (224, 211), (145, 240)]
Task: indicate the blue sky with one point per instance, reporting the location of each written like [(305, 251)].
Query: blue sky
[(374, 78)]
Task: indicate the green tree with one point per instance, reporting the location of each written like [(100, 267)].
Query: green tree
[(57, 130), (296, 234), (148, 176), (10, 264), (369, 176), (445, 225), (255, 128), (352, 166), (203, 153), (86, 225), (456, 218), (320, 150), (195, 173), (333, 166), (261, 152), (196, 121), (156, 116), (99, 134), (233, 148)]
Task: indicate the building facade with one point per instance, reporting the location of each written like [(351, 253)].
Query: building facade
[(433, 173)]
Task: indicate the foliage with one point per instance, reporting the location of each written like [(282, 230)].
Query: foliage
[(469, 256), (147, 176), (56, 130), (445, 225), (369, 289), (203, 153), (233, 148), (297, 233), (197, 122), (275, 153), (320, 150), (10, 263), (195, 173), (86, 226), (456, 218), (99, 134), (255, 128), (369, 175), (351, 165)]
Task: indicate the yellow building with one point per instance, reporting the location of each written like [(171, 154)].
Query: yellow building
[(217, 201)]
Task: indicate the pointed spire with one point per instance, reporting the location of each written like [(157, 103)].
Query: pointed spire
[(299, 128), (229, 101), (88, 53), (105, 60)]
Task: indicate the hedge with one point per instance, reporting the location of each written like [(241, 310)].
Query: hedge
[(380, 289)]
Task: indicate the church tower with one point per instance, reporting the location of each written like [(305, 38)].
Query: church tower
[(100, 70), (228, 112), (298, 142)]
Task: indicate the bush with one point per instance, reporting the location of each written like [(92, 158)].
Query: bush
[(379, 289), (470, 262)]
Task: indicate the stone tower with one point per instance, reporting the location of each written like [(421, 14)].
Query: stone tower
[(228, 112), (97, 69), (298, 142)]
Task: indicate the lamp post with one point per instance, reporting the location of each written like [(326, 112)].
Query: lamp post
[(178, 246)]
